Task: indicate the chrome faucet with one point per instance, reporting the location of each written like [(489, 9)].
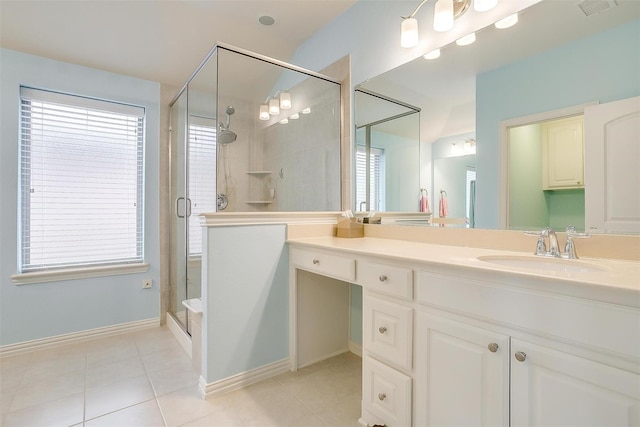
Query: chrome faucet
[(554, 249), (362, 203)]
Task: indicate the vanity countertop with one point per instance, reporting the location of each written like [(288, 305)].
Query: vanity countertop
[(612, 281)]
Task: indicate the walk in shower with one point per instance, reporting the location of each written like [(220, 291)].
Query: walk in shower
[(248, 134)]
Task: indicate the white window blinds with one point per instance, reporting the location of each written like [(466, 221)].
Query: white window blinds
[(377, 178), (81, 172), (202, 176)]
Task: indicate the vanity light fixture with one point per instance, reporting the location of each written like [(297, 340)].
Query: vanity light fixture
[(484, 5), (295, 116), (466, 40), (264, 112), (285, 101), (274, 107), (507, 22), (284, 121), (306, 111), (445, 12), (434, 54)]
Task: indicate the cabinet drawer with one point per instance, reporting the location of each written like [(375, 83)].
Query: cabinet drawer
[(342, 268), (388, 331), (386, 393), (386, 279)]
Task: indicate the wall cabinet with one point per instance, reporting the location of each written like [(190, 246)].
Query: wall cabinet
[(448, 346), (563, 154)]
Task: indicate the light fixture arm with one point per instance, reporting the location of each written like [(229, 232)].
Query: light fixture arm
[(416, 10)]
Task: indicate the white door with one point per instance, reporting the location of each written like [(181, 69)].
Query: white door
[(462, 374), (612, 167), (553, 388)]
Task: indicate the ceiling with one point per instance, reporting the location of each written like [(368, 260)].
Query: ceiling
[(157, 40)]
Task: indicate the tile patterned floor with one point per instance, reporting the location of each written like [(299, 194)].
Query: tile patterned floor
[(146, 379)]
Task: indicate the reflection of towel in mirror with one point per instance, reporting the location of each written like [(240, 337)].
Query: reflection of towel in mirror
[(444, 205), (424, 204)]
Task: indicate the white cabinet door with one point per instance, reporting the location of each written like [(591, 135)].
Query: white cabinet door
[(612, 172), (386, 394), (563, 154), (462, 374), (553, 388)]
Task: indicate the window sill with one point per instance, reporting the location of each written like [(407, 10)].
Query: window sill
[(77, 273)]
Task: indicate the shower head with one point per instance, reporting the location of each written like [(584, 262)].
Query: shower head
[(226, 136), (225, 127)]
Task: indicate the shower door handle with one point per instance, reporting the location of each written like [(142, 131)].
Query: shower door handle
[(178, 207), (187, 207)]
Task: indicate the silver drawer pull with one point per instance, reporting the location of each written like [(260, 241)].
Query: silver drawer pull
[(521, 356), (382, 329), (382, 278), (316, 261), (382, 396), (493, 347)]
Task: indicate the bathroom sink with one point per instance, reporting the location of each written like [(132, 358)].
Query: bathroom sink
[(542, 263)]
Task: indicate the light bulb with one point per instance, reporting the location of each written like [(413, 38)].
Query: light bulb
[(264, 112), (284, 121), (274, 107), (432, 55), (409, 33), (466, 40), (484, 5), (306, 111), (294, 116), (507, 22), (443, 15), (285, 101)]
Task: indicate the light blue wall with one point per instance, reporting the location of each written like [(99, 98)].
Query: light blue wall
[(35, 311), (603, 67), (245, 298), (402, 171)]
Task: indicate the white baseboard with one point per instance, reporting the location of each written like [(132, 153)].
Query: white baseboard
[(181, 336), (243, 379), (355, 348), (89, 334)]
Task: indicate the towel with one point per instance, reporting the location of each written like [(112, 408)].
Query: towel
[(444, 206), (424, 204)]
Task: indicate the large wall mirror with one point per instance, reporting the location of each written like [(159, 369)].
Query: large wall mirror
[(480, 103)]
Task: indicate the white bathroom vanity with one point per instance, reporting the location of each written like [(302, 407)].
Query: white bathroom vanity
[(462, 336)]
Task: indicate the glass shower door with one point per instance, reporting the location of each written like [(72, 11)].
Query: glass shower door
[(179, 217)]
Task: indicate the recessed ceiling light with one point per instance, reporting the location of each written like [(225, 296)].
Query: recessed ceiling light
[(266, 20)]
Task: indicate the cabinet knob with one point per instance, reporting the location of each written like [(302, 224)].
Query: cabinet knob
[(382, 278), (316, 261), (493, 347), (382, 396), (382, 329), (521, 356)]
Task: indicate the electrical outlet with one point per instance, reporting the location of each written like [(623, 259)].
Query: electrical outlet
[(147, 283)]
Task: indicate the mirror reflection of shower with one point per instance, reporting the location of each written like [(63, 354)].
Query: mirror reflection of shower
[(225, 137)]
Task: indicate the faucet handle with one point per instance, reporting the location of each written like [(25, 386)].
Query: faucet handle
[(541, 246), (569, 247), (572, 233)]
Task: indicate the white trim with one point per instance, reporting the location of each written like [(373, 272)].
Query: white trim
[(86, 335), (78, 273), (245, 218), (183, 338), (355, 348), (243, 379), (504, 126)]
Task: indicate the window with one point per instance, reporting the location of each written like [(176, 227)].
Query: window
[(81, 182), (202, 177), (377, 178)]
